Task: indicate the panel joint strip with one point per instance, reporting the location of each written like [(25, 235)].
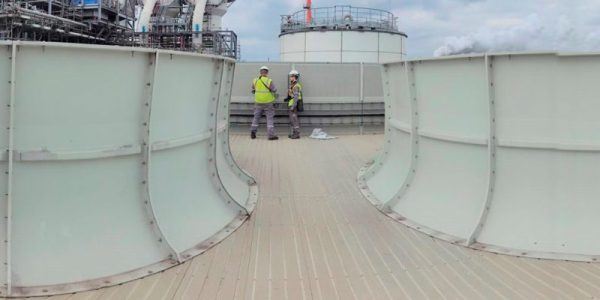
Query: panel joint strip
[(147, 159), (9, 172), (409, 68), (375, 165), (492, 146), (219, 71)]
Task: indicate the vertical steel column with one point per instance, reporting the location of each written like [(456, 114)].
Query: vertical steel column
[(414, 137), (99, 9), (362, 98), (489, 64), (214, 127), (373, 167), (147, 158), (341, 46), (253, 189), (9, 172), (241, 172)]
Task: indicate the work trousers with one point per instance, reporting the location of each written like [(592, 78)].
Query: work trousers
[(293, 114), (269, 110)]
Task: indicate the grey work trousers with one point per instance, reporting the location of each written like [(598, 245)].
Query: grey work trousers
[(269, 110), (293, 114)]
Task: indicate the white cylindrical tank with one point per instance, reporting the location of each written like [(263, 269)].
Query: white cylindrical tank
[(341, 34)]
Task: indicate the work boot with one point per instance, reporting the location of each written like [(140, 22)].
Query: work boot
[(252, 135), (273, 138), (294, 136)]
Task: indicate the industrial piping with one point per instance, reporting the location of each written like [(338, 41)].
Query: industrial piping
[(197, 21), (496, 152)]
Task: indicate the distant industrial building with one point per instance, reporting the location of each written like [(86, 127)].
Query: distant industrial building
[(193, 25)]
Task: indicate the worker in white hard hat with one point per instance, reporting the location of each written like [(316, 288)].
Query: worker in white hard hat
[(264, 91), (294, 101)]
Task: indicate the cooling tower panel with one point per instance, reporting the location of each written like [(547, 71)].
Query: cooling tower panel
[(111, 175), (504, 150)]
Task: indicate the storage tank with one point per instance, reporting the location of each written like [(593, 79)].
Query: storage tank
[(341, 34)]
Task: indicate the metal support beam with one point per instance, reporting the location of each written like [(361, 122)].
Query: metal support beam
[(214, 129), (11, 130), (147, 158), (223, 116), (409, 68), (491, 145), (362, 96), (374, 166)]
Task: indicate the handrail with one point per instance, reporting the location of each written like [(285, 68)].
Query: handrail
[(343, 16)]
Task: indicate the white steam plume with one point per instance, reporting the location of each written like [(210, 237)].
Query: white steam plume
[(528, 34)]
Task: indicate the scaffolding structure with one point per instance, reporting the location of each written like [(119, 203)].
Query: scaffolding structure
[(111, 22), (88, 21)]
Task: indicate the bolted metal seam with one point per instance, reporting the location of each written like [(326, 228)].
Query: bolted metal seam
[(492, 146), (414, 137), (369, 171), (147, 161), (214, 124), (245, 177), (10, 128)]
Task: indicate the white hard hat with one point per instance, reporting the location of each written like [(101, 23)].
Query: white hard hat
[(264, 68), (294, 72)]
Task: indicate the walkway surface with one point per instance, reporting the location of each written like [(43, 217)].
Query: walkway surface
[(313, 236)]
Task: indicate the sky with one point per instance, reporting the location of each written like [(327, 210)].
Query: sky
[(440, 27)]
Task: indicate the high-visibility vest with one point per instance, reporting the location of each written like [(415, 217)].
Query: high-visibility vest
[(291, 94), (262, 94)]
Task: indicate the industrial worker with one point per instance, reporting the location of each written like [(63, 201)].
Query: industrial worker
[(293, 98), (264, 91)]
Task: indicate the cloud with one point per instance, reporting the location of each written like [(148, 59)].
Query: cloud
[(533, 33), (518, 35)]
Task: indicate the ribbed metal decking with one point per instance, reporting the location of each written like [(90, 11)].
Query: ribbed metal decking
[(314, 236)]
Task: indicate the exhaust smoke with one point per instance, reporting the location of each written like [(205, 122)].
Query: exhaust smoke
[(525, 35)]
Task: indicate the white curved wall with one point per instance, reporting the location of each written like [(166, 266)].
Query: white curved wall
[(354, 83), (118, 164), (496, 152), (342, 46)]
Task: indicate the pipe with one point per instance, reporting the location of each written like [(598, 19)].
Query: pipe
[(197, 21), (308, 11), (40, 14), (216, 12), (143, 24)]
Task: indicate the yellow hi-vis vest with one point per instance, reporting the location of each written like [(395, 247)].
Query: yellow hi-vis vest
[(291, 102), (262, 94)]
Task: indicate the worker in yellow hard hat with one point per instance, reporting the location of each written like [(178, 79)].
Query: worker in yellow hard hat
[(264, 91)]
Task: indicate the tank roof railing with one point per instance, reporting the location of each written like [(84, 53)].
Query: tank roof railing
[(342, 17)]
